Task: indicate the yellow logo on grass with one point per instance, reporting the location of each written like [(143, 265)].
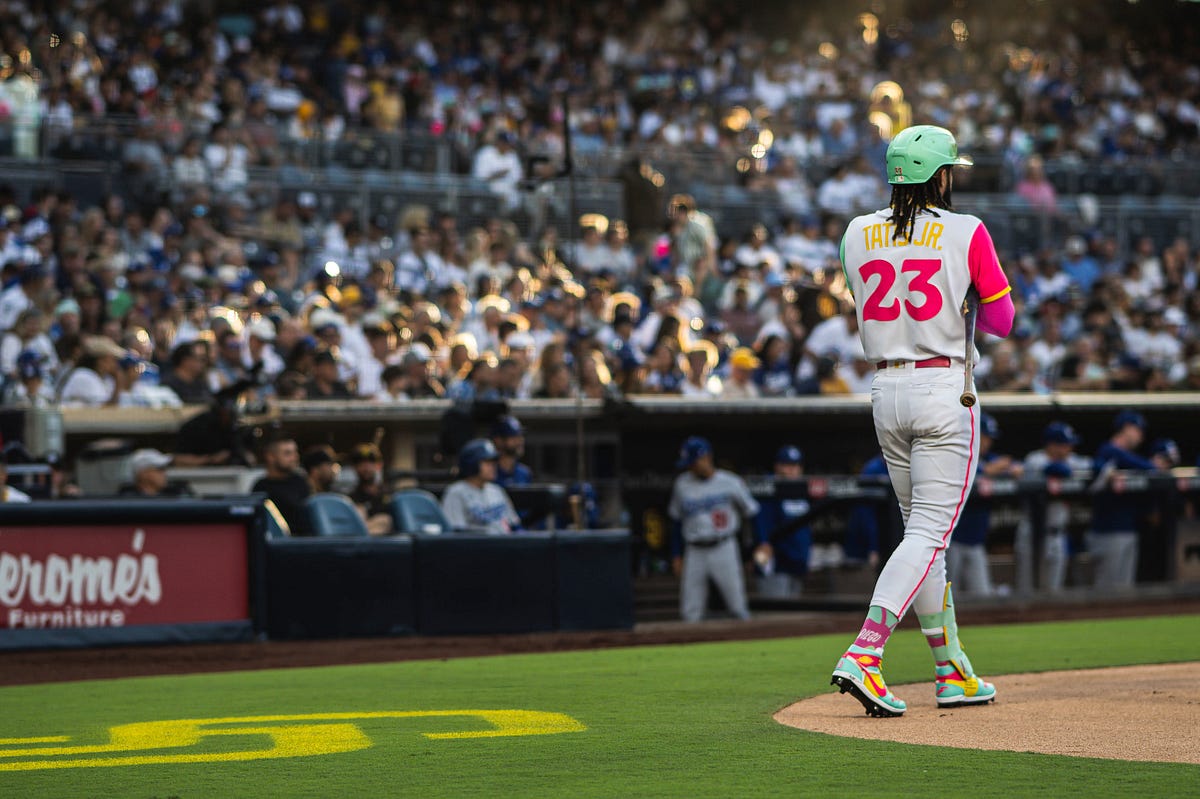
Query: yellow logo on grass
[(143, 743)]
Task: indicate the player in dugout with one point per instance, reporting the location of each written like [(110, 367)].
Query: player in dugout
[(708, 505), (474, 502)]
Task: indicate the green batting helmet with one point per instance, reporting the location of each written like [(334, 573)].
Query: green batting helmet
[(918, 152)]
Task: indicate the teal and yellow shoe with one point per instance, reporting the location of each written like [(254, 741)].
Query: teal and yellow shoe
[(859, 673), (957, 685)]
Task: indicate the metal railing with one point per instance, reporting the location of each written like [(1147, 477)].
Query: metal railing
[(1016, 227), (360, 148)]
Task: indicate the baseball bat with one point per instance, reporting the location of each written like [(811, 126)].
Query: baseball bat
[(970, 309)]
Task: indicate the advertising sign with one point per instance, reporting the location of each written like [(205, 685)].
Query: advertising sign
[(121, 575)]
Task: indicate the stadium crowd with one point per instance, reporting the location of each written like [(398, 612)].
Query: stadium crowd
[(186, 285)]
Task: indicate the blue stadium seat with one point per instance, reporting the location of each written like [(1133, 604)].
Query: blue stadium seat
[(335, 514), (418, 512)]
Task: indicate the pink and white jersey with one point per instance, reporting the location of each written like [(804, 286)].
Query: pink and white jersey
[(909, 294)]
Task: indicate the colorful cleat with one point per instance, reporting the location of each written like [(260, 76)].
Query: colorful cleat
[(958, 686), (858, 672)]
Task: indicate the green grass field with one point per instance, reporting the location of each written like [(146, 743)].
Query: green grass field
[(691, 720)]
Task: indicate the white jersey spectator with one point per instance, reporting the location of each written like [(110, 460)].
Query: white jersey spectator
[(499, 165)]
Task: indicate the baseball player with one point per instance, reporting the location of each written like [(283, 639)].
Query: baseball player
[(509, 437), (475, 502), (966, 558), (910, 267), (1055, 460), (708, 505), (1113, 540), (782, 546), (862, 528)]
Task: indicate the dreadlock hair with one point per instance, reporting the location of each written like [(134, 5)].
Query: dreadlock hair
[(909, 200)]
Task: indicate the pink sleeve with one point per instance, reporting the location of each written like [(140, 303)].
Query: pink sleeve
[(996, 317), (986, 275)]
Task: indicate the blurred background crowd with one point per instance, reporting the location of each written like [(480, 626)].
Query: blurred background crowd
[(193, 278)]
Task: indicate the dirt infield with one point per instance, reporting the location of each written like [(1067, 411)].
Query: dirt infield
[(40, 666), (1127, 713)]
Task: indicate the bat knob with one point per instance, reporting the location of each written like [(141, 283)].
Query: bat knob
[(967, 400)]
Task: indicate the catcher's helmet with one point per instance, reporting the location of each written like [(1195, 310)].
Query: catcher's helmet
[(693, 450), (473, 453), (918, 152)]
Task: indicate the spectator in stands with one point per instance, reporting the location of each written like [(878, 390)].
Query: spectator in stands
[(392, 385), (839, 193), (499, 166), (28, 388), (22, 295), (508, 435), (694, 239), (774, 376), (188, 374), (149, 469), (701, 383), (663, 372), (212, 438), (190, 169), (1082, 369), (419, 382), (740, 383), (369, 494), (324, 384), (1035, 189), (474, 502), (321, 466), (285, 486), (27, 335), (556, 383), (1079, 266), (95, 380)]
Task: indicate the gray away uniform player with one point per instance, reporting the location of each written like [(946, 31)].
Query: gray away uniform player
[(708, 504), (475, 502)]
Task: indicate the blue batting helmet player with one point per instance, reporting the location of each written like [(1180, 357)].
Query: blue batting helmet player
[(1167, 447), (474, 453), (988, 426), (1060, 433), (789, 454), (507, 427), (693, 449), (1128, 417)]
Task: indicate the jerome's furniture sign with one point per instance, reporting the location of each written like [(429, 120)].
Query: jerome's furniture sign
[(122, 575)]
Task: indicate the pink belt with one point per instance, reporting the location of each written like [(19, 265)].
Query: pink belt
[(928, 363)]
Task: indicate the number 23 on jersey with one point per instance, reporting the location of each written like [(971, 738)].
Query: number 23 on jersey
[(917, 273)]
